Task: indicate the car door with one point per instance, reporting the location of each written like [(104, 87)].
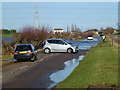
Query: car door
[(53, 45), (61, 46)]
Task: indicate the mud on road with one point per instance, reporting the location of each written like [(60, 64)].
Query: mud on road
[(36, 74)]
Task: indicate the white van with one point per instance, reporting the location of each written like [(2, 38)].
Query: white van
[(59, 45), (90, 37)]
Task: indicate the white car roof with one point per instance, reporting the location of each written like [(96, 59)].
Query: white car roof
[(55, 39)]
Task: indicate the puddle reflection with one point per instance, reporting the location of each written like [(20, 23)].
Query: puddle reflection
[(62, 74), (11, 60)]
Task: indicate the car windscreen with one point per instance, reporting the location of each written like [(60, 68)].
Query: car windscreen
[(23, 48), (68, 41)]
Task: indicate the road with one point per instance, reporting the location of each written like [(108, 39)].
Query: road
[(35, 74)]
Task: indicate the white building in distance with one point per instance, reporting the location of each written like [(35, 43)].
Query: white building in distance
[(58, 30)]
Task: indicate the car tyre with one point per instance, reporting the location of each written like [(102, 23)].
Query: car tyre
[(33, 59), (46, 50), (15, 61), (36, 58), (69, 50)]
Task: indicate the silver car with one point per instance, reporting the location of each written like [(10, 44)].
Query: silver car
[(59, 45)]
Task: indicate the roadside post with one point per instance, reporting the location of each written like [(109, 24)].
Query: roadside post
[(112, 42)]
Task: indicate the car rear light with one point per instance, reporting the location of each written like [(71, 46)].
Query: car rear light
[(15, 53), (30, 52)]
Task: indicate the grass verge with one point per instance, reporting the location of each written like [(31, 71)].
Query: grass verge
[(99, 67), (6, 35), (6, 57)]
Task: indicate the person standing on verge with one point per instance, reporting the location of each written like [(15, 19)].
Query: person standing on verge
[(103, 38)]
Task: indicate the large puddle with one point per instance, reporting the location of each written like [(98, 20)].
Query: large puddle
[(11, 60), (62, 74)]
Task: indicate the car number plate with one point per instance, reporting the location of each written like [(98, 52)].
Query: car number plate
[(23, 52)]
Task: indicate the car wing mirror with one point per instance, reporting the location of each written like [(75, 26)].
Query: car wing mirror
[(35, 49), (65, 43)]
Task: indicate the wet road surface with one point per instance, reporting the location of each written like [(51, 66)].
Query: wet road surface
[(61, 75), (35, 74)]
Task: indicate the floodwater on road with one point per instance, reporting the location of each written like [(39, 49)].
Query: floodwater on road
[(62, 74), (87, 44)]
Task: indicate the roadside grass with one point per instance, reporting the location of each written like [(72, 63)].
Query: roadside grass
[(99, 67), (6, 35), (5, 57), (118, 35)]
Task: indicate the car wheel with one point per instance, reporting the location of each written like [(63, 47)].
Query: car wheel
[(46, 50), (36, 58), (32, 59), (18, 60), (69, 50), (15, 61)]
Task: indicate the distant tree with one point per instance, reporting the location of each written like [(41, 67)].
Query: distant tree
[(92, 30), (0, 31), (5, 31), (30, 34), (118, 30), (12, 31), (109, 30), (6, 48)]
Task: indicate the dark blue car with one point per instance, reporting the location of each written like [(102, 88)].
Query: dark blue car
[(25, 52)]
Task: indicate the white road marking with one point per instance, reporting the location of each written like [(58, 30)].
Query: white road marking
[(11, 72), (24, 67), (41, 60), (56, 54), (51, 55)]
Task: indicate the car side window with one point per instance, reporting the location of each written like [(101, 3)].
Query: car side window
[(63, 43), (50, 41), (59, 42), (30, 47), (56, 42)]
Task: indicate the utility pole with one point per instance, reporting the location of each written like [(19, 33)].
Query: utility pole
[(36, 18)]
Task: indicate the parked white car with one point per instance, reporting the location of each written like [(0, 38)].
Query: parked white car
[(59, 45)]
